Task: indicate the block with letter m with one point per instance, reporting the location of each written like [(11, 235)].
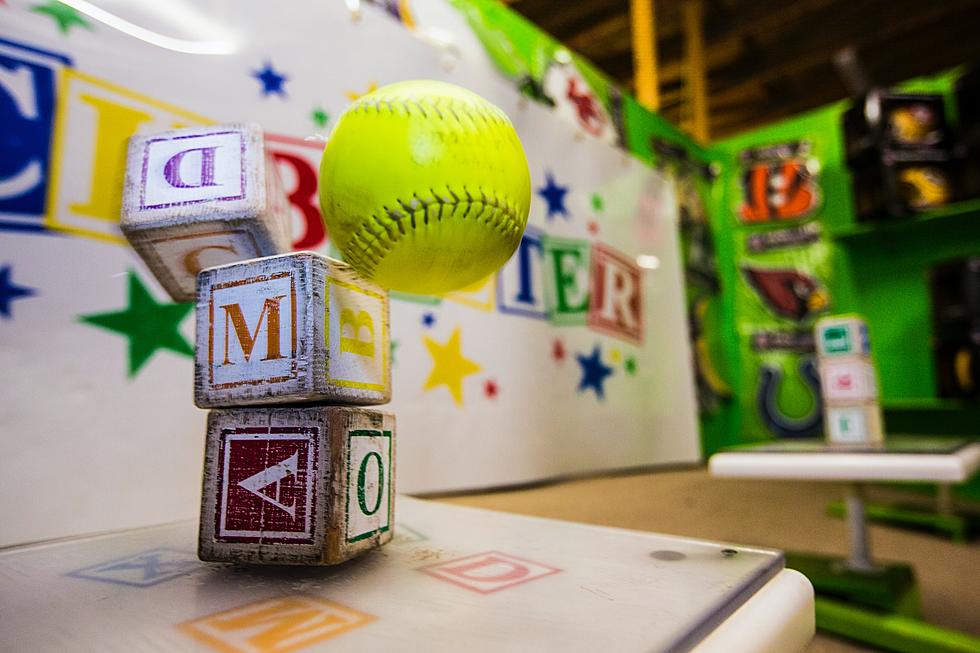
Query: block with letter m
[(294, 328)]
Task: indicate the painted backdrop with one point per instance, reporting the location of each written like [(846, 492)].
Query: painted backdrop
[(573, 358)]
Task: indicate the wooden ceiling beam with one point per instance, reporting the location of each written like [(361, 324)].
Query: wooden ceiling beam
[(808, 46), (724, 37)]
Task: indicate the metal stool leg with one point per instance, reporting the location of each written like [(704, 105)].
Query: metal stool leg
[(859, 558)]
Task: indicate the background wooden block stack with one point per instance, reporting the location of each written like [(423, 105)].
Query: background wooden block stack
[(852, 414), (297, 484)]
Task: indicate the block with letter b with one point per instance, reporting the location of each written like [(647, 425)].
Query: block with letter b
[(308, 485), (299, 327), (199, 197)]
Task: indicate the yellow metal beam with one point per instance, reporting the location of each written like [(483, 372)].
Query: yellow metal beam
[(643, 31), (696, 82)]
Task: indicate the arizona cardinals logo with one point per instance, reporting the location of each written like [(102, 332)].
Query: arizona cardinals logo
[(589, 114), (781, 190), (788, 293)]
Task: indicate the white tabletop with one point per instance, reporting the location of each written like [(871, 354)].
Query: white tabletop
[(454, 579), (900, 459)]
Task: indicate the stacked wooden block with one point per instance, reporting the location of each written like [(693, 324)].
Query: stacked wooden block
[(289, 348), (852, 414)]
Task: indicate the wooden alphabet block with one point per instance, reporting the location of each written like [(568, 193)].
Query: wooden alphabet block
[(300, 485), (200, 197), (293, 328), (845, 335), (848, 379), (855, 424)]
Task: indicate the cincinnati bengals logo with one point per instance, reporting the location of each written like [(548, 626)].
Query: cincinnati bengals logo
[(774, 191)]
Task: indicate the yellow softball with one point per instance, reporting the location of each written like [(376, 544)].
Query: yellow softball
[(424, 187)]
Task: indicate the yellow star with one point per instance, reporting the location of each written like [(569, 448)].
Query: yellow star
[(449, 366), (353, 95), (615, 355)]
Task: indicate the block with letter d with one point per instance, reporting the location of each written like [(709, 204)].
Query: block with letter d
[(299, 327), (310, 485), (199, 197)]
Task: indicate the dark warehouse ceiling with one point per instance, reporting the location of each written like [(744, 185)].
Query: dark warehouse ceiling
[(769, 59)]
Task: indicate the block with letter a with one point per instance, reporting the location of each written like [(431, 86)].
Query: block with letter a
[(293, 328), (299, 485), (200, 197)]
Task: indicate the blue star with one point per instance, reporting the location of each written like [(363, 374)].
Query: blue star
[(594, 372), (428, 320), (272, 81), (10, 291), (554, 195)]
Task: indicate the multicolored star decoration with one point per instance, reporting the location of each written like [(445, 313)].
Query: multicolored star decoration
[(630, 365), (449, 366), (66, 17), (272, 80), (392, 346), (428, 320), (148, 324), (593, 227), (594, 372), (9, 291), (491, 389), (597, 202), (320, 117), (558, 351), (554, 195)]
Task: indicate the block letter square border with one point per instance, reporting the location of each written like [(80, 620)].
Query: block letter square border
[(312, 435), (373, 433), (293, 368), (385, 336)]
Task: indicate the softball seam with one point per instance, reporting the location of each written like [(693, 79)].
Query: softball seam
[(441, 108), (367, 251)]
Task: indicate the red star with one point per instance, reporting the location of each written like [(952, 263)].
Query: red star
[(593, 228), (490, 389), (558, 351)]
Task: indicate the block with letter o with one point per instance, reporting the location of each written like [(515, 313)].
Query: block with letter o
[(369, 483)]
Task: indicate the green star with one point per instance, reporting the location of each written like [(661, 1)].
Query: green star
[(597, 203), (320, 117), (394, 345), (630, 366), (66, 17), (148, 324)]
